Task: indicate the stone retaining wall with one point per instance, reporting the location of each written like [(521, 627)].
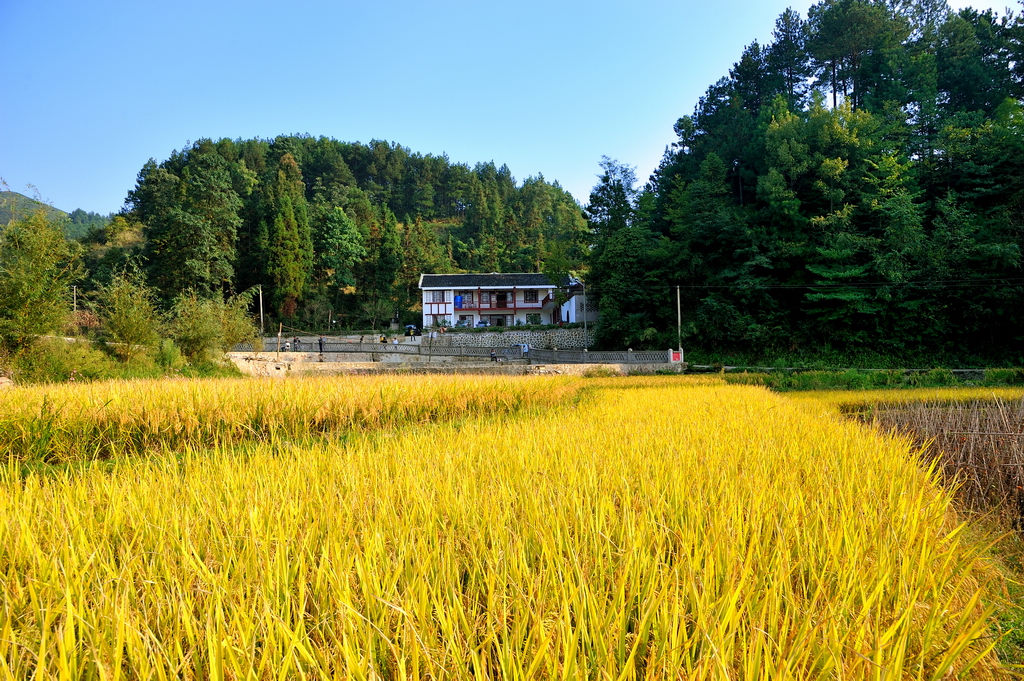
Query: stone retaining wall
[(284, 363), (299, 364), (562, 339)]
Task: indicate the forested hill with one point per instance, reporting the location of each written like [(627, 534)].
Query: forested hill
[(15, 206), (856, 184), (326, 225)]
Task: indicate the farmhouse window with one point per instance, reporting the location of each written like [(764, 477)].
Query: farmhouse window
[(529, 296), (437, 296)]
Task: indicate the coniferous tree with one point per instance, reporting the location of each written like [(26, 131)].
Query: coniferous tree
[(289, 247)]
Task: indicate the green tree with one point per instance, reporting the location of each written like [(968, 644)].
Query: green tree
[(37, 268), (378, 273), (289, 246), (612, 201), (130, 319), (788, 62), (191, 217), (204, 328), (338, 246)]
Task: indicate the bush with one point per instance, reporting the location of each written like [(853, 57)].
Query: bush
[(855, 379), (168, 355), (1004, 377), (601, 372), (938, 377), (53, 360), (37, 266), (129, 317), (204, 328)]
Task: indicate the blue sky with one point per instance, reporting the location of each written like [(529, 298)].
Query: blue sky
[(91, 90)]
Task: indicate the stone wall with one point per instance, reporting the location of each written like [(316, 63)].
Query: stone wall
[(562, 339), (266, 364)]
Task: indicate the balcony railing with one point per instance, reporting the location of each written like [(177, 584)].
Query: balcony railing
[(508, 306)]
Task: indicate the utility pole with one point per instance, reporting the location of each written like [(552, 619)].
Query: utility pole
[(679, 324), (261, 309), (585, 343), (74, 299)]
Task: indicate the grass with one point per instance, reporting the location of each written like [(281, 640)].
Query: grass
[(517, 528), (859, 379)]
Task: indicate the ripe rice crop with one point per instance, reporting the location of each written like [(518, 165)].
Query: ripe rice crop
[(855, 400), (653, 529), (102, 420)]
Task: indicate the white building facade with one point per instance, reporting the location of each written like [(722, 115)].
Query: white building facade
[(473, 300)]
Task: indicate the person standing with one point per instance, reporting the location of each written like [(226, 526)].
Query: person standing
[(321, 344)]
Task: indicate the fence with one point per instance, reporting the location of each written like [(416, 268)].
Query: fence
[(424, 350), (599, 357), (510, 353)]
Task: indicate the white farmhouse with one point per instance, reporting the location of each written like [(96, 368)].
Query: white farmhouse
[(488, 299)]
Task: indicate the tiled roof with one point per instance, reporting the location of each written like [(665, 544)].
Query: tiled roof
[(493, 280)]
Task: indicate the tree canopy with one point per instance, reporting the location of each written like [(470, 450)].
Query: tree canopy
[(346, 227), (856, 185)]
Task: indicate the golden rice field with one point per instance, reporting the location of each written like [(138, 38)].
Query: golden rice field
[(476, 528), (856, 399)]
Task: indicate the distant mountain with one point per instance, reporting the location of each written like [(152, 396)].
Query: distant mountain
[(15, 206)]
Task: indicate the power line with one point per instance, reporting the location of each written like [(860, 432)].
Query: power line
[(924, 283)]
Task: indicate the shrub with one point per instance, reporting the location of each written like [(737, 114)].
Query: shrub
[(1004, 377), (601, 372), (37, 266), (130, 320), (168, 355), (53, 360), (204, 328)]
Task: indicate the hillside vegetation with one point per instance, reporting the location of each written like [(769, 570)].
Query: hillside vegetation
[(326, 225), (855, 185), (76, 224)]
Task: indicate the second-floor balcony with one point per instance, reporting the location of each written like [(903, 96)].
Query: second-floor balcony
[(497, 305), (495, 301)]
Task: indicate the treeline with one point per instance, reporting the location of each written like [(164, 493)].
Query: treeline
[(330, 229), (50, 331), (856, 185), (173, 280)]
